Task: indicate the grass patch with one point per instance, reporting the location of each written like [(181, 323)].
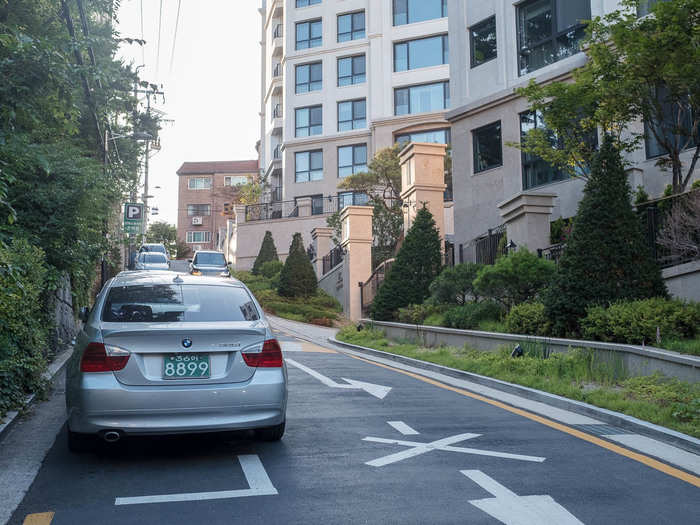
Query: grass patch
[(579, 374), (320, 309), (684, 346)]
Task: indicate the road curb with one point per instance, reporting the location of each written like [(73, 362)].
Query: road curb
[(623, 421), (52, 371)]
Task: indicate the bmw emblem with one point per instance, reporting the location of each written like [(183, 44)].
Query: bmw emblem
[(187, 342)]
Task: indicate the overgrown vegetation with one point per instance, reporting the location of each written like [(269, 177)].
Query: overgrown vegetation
[(578, 374)]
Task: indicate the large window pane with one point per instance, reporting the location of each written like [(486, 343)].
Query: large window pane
[(483, 41), (677, 127), (308, 34), (411, 11), (438, 136), (421, 99), (308, 166), (304, 3), (536, 171), (351, 26), (351, 115), (351, 70), (423, 52), (308, 77), (352, 159), (308, 121), (487, 148)]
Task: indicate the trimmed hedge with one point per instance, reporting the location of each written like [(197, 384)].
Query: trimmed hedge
[(636, 322), (528, 319), (468, 316)]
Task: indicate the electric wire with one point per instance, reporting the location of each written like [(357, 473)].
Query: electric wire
[(160, 23), (143, 47), (177, 19)]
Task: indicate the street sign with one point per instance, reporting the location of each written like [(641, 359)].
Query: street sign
[(133, 217)]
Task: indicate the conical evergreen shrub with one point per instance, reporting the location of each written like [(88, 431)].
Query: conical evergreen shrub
[(606, 258), (268, 252), (298, 277), (417, 264)]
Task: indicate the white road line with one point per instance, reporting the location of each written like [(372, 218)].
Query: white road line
[(511, 509), (668, 453), (403, 428), (253, 470), (445, 444), (378, 391)]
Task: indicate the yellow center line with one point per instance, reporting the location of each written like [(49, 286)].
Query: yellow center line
[(641, 458), (40, 518)]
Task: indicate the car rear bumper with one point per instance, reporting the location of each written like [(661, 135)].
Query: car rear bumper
[(102, 403)]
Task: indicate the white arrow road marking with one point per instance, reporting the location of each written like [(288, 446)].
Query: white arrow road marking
[(378, 391), (511, 509), (403, 428), (253, 470), (416, 449)]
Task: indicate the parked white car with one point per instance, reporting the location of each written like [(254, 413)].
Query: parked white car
[(152, 261)]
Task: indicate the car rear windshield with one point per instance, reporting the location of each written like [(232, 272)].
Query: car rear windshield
[(173, 303), (153, 258), (213, 259)]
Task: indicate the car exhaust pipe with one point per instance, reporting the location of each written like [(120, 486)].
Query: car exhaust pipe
[(111, 436)]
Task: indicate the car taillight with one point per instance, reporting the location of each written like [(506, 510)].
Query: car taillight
[(96, 358), (270, 357)]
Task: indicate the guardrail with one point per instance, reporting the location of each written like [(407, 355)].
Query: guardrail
[(332, 259)]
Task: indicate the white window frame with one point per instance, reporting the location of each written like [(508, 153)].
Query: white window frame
[(228, 180), (191, 186), (190, 237)]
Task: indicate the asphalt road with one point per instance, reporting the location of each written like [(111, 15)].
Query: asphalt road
[(357, 453)]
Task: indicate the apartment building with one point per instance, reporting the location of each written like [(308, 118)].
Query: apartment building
[(342, 79), (203, 189), (495, 47)]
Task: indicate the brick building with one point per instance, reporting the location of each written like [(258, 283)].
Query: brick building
[(203, 189)]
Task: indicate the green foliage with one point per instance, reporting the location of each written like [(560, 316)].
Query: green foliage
[(518, 277), (683, 346), (418, 313), (23, 323), (162, 232), (268, 252), (182, 250), (636, 322), (606, 259), (298, 278), (270, 269), (640, 196), (416, 266), (560, 229), (528, 319), (455, 285), (470, 315)]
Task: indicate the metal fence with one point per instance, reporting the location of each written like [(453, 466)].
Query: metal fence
[(368, 289), (489, 246), (320, 205), (553, 252), (332, 259)]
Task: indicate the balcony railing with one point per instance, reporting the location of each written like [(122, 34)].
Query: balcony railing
[(285, 209), (276, 194), (277, 111), (277, 71), (332, 259), (277, 33), (277, 152)]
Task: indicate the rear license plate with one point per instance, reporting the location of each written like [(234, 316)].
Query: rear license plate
[(186, 366)]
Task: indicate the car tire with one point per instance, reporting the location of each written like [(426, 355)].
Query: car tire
[(78, 443), (271, 433)]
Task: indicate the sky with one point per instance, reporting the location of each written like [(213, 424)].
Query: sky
[(212, 91)]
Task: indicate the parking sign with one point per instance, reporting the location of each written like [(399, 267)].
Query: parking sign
[(133, 217)]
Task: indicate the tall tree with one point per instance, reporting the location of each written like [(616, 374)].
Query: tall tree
[(606, 258), (268, 252), (297, 278), (162, 232)]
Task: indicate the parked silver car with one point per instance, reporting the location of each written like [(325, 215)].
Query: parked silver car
[(154, 247), (164, 353), (151, 261), (209, 262)]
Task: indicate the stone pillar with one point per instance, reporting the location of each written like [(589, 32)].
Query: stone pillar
[(239, 212), (322, 245), (357, 244), (304, 206), (527, 216), (423, 182)]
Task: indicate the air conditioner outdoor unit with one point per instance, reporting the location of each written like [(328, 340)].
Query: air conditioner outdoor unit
[(197, 221)]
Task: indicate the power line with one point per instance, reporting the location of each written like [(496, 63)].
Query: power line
[(143, 50), (160, 21), (177, 19)]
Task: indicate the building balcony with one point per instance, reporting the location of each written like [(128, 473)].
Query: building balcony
[(276, 8), (277, 120), (277, 41)]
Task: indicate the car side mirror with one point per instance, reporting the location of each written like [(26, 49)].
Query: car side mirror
[(189, 260), (84, 313)]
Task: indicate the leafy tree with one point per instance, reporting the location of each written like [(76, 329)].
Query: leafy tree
[(605, 259), (297, 278), (455, 285), (638, 68), (416, 266), (162, 232), (268, 252), (182, 250)]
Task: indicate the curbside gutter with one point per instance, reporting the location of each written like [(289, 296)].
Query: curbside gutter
[(52, 371), (626, 422)]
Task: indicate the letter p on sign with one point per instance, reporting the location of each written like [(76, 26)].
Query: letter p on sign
[(133, 212)]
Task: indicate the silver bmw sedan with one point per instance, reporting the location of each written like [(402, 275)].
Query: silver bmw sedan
[(163, 353)]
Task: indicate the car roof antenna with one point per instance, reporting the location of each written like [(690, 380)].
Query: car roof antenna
[(178, 279)]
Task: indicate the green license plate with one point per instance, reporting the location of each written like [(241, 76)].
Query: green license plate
[(186, 366)]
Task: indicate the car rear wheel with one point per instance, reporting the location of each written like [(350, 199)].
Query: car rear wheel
[(271, 433), (78, 443)]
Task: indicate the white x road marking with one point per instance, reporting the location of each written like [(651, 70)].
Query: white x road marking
[(416, 449)]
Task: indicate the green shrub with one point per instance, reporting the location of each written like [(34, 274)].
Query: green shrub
[(298, 278), (455, 285), (324, 300), (418, 313), (527, 319), (267, 253), (271, 268), (516, 278), (635, 322), (470, 315)]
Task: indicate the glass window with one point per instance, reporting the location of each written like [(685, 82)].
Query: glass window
[(209, 259), (308, 166), (677, 127), (352, 198), (352, 159), (351, 70), (411, 11), (352, 114), (304, 3), (316, 203), (550, 30), (486, 143), (198, 209), (537, 172), (483, 41), (235, 180), (308, 77), (198, 236), (422, 98), (351, 26), (423, 52), (199, 183), (309, 121), (177, 303), (438, 136), (308, 34)]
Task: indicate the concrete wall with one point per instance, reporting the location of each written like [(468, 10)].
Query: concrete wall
[(683, 281), (636, 360), (334, 284)]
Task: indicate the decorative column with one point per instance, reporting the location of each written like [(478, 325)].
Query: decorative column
[(357, 243), (423, 182), (527, 217), (322, 245), (304, 206), (239, 212)]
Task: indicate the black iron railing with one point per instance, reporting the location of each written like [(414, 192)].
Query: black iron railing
[(279, 209), (270, 211), (332, 259), (369, 289), (553, 252), (488, 247), (277, 71), (277, 33), (277, 111)]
